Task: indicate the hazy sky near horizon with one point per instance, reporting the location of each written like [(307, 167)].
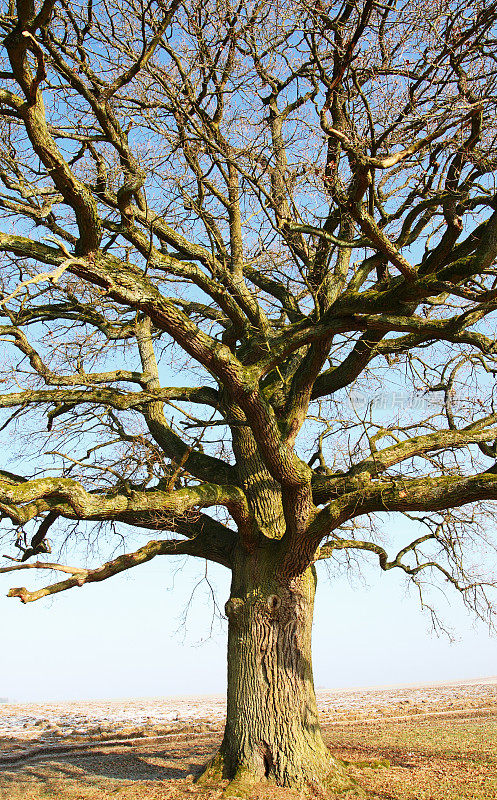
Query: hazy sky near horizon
[(126, 637)]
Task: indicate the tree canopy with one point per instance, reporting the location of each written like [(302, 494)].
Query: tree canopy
[(293, 198)]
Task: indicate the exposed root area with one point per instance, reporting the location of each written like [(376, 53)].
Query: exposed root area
[(242, 785), (213, 772), (248, 785)]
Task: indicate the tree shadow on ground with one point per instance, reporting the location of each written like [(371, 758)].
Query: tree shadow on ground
[(160, 762)]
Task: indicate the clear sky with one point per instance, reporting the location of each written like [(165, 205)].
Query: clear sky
[(126, 637)]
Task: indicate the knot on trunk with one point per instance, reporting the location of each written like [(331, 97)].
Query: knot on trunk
[(273, 603), (233, 606)]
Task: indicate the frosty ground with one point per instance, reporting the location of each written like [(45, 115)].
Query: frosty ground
[(440, 740)]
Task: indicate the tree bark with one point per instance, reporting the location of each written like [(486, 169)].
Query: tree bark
[(272, 728)]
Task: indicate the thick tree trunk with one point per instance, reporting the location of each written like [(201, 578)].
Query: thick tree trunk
[(272, 728)]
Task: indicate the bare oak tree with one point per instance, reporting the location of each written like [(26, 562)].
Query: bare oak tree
[(283, 202)]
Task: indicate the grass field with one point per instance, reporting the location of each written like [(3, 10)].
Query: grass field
[(432, 759), (450, 757)]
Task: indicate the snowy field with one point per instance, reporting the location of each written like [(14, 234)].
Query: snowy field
[(51, 723)]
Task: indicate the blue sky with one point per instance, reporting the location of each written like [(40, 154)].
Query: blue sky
[(126, 637)]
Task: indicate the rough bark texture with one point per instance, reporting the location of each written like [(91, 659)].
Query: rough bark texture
[(272, 727)]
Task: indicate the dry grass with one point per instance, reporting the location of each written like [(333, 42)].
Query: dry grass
[(430, 759)]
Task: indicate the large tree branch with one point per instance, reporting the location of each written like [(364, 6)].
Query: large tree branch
[(227, 301), (199, 546), (130, 286), (395, 158), (413, 494), (416, 494), (32, 112), (115, 398), (199, 464), (381, 460), (461, 582), (70, 499), (113, 329), (351, 367)]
